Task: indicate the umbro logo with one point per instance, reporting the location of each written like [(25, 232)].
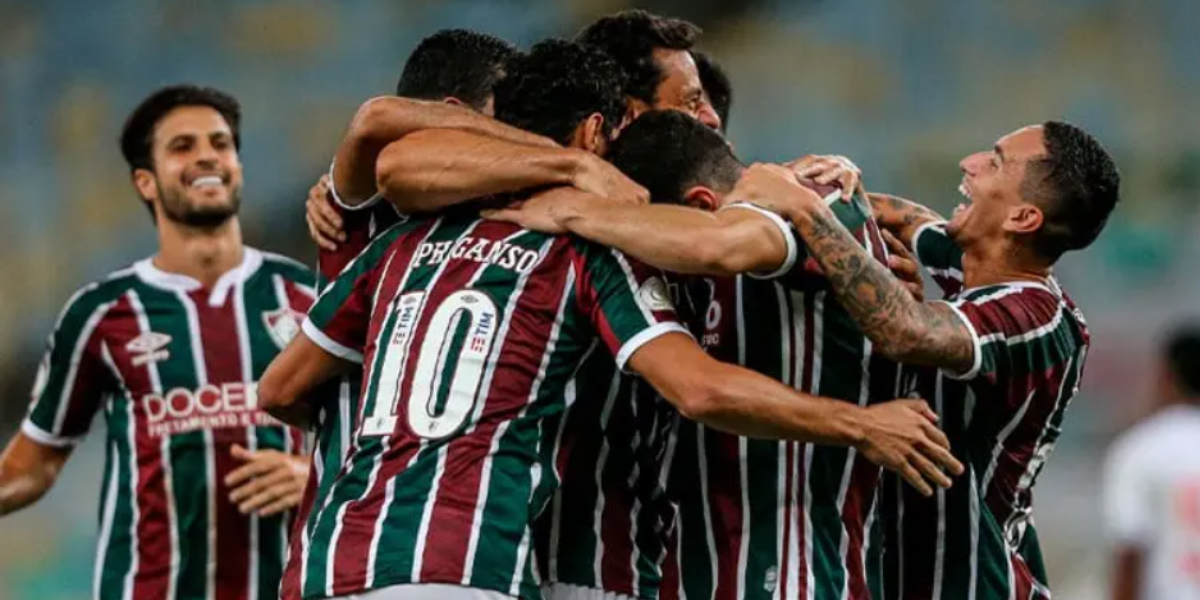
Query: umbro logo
[(148, 347)]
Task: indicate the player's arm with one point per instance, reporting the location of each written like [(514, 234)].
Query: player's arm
[(285, 389), (903, 218), (383, 120), (430, 170), (28, 469), (900, 327), (670, 237)]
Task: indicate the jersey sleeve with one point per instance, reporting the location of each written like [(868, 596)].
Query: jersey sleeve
[(361, 224), (627, 303), (73, 378), (800, 265), (940, 256), (1127, 509), (1011, 325), (338, 321)]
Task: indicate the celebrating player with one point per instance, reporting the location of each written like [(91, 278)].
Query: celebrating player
[(169, 350), (757, 517), (457, 67), (1005, 350), (475, 331)]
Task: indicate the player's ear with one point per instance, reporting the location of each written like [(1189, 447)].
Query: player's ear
[(455, 102), (590, 135), (1024, 218), (702, 198), (144, 183)]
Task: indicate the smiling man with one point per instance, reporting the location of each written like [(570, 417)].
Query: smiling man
[(197, 479)]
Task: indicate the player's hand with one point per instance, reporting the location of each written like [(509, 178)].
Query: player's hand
[(324, 223), (828, 168), (904, 266), (599, 177), (902, 436), (546, 211), (270, 482), (774, 188)]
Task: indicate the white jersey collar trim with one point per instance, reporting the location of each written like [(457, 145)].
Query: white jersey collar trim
[(251, 260)]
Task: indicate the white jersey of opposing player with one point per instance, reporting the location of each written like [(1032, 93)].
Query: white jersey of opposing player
[(1152, 500)]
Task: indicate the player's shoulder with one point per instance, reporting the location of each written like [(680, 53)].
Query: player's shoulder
[(95, 296), (284, 266)]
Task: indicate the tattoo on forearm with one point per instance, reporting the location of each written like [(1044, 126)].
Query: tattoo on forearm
[(900, 326), (900, 213)]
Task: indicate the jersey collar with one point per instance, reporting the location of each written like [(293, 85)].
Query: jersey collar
[(176, 282)]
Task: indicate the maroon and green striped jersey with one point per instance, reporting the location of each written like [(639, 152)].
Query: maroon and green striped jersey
[(768, 519), (338, 402), (1003, 417), (473, 331), (172, 366), (608, 525)]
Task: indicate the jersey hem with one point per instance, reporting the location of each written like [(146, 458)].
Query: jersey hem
[(636, 342), (328, 344), (793, 251), (45, 438)]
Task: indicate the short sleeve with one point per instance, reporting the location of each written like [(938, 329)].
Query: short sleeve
[(1127, 510), (1010, 320), (940, 256), (73, 378), (627, 302), (360, 227), (854, 215)]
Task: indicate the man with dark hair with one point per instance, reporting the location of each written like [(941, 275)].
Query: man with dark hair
[(474, 331), (655, 53), (718, 90), (457, 66), (759, 303), (197, 479), (1152, 485), (1003, 352)]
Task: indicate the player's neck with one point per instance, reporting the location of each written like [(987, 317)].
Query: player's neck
[(204, 254), (997, 265)]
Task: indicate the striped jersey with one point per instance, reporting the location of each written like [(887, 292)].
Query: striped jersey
[(173, 367), (770, 519), (338, 401), (473, 332), (976, 539), (608, 525)]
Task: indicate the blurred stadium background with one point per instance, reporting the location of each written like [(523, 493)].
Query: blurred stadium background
[(906, 88)]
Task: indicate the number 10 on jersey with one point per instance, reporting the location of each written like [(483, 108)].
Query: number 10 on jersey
[(448, 369)]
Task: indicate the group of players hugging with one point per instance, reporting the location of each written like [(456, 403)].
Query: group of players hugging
[(564, 344)]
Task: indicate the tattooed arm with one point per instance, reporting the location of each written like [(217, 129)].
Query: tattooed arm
[(900, 327), (901, 217)]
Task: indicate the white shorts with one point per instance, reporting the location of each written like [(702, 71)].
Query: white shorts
[(427, 591), (566, 591)]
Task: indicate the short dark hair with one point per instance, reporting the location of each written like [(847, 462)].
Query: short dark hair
[(455, 63), (137, 136), (716, 84), (558, 84), (1182, 355), (669, 152), (1076, 184), (631, 37)]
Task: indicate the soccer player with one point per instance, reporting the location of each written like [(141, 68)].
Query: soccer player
[(454, 66), (1004, 351), (1152, 486), (476, 329), (169, 351), (718, 90), (756, 518)]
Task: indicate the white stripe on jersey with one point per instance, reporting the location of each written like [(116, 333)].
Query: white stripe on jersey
[(139, 312), (743, 442), (974, 531), (939, 561), (864, 395), (243, 333), (131, 439), (808, 538), (709, 541), (998, 446), (633, 287), (85, 335), (106, 525), (614, 386)]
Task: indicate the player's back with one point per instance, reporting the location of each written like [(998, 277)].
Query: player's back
[(476, 329), (1153, 500)]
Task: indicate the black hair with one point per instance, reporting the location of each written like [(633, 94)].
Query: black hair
[(1182, 355), (631, 37), (1076, 184), (137, 136), (715, 82), (556, 86), (669, 152), (455, 63)]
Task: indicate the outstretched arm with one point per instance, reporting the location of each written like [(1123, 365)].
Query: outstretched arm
[(901, 217), (381, 121), (283, 390), (673, 238), (901, 327), (899, 435), (28, 470)]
